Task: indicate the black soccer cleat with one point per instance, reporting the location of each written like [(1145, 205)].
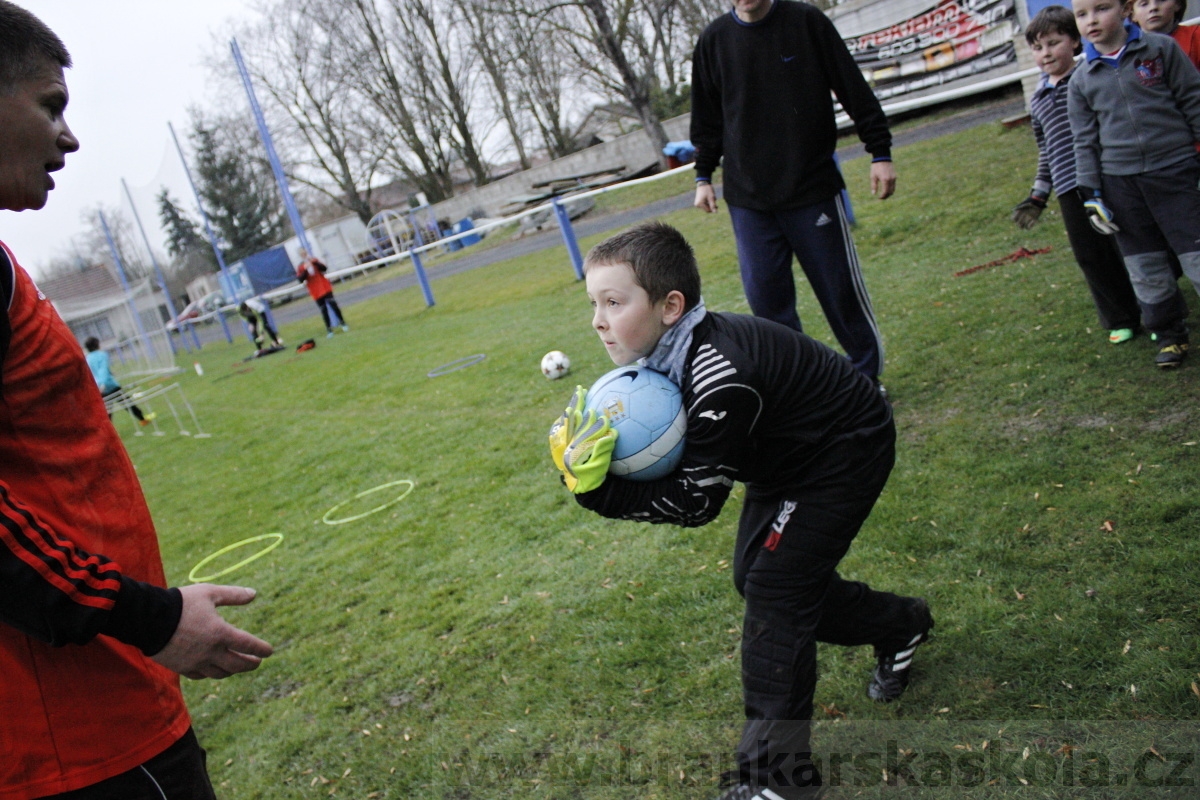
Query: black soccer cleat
[(744, 791), (892, 670)]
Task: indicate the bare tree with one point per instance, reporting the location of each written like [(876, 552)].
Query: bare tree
[(442, 71), (92, 244), (491, 46), (613, 42), (375, 45), (306, 81), (542, 68)]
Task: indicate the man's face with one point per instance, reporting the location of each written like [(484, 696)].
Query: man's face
[(34, 139), (1101, 23), (1054, 53), (751, 10), (629, 325)]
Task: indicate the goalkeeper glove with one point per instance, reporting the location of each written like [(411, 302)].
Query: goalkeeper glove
[(563, 430), (1099, 214), (1028, 210), (581, 445)]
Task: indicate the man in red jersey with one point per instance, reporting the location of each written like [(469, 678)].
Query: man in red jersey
[(91, 641)]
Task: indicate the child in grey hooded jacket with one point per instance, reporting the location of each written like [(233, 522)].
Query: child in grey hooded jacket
[(1134, 109)]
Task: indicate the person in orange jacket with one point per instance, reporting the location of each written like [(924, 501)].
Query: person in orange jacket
[(311, 272)]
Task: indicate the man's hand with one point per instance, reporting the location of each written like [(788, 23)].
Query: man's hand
[(205, 645), (706, 197), (1028, 211), (883, 179)]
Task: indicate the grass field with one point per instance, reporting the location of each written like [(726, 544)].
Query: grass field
[(487, 638)]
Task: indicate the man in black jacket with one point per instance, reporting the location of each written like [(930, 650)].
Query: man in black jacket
[(762, 78)]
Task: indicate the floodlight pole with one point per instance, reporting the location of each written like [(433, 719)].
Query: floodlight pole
[(212, 239), (162, 280), (272, 156), (137, 318)]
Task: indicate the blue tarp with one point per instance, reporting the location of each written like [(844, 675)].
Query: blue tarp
[(269, 269)]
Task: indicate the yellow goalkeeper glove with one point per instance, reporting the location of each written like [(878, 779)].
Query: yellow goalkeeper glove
[(581, 445)]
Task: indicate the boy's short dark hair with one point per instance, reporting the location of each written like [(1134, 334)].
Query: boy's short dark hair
[(92, 344), (1052, 19), (661, 259), (27, 45)]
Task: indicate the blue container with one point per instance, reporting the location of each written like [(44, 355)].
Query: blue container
[(465, 224)]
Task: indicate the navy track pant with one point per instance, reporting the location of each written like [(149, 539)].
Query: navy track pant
[(819, 236), (785, 565)]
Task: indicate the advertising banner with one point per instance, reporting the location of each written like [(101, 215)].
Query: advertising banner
[(951, 40)]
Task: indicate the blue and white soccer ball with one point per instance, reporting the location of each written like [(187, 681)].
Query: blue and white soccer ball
[(646, 410)]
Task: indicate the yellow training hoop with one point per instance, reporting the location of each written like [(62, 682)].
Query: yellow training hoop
[(326, 519), (278, 537)]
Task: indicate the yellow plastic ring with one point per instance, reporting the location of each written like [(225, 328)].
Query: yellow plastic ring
[(326, 519), (278, 537)]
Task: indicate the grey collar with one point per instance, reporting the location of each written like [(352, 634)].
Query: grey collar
[(670, 355)]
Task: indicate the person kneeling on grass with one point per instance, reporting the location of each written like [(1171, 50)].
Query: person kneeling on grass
[(813, 441), (254, 311), (98, 362)]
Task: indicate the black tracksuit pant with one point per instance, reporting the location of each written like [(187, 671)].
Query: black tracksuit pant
[(1103, 268), (326, 303), (137, 412), (785, 565)]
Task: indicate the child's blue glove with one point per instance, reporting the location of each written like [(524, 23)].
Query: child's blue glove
[(1100, 215)]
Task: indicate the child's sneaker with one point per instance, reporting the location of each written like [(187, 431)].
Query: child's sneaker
[(146, 420), (345, 329), (329, 335), (1120, 335), (1171, 355), (892, 670)]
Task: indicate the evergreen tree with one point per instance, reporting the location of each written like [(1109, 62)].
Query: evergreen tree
[(238, 192), (183, 235)]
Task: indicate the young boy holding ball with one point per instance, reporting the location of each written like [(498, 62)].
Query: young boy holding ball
[(814, 442)]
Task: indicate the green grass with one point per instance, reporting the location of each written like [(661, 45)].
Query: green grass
[(487, 621)]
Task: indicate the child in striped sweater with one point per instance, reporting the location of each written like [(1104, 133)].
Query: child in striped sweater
[(1054, 39)]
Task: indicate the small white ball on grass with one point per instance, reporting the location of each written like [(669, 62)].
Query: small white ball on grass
[(555, 364)]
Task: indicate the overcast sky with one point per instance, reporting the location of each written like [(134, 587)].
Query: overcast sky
[(138, 65)]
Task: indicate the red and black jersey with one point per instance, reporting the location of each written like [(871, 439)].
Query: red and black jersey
[(82, 597), (312, 274)]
